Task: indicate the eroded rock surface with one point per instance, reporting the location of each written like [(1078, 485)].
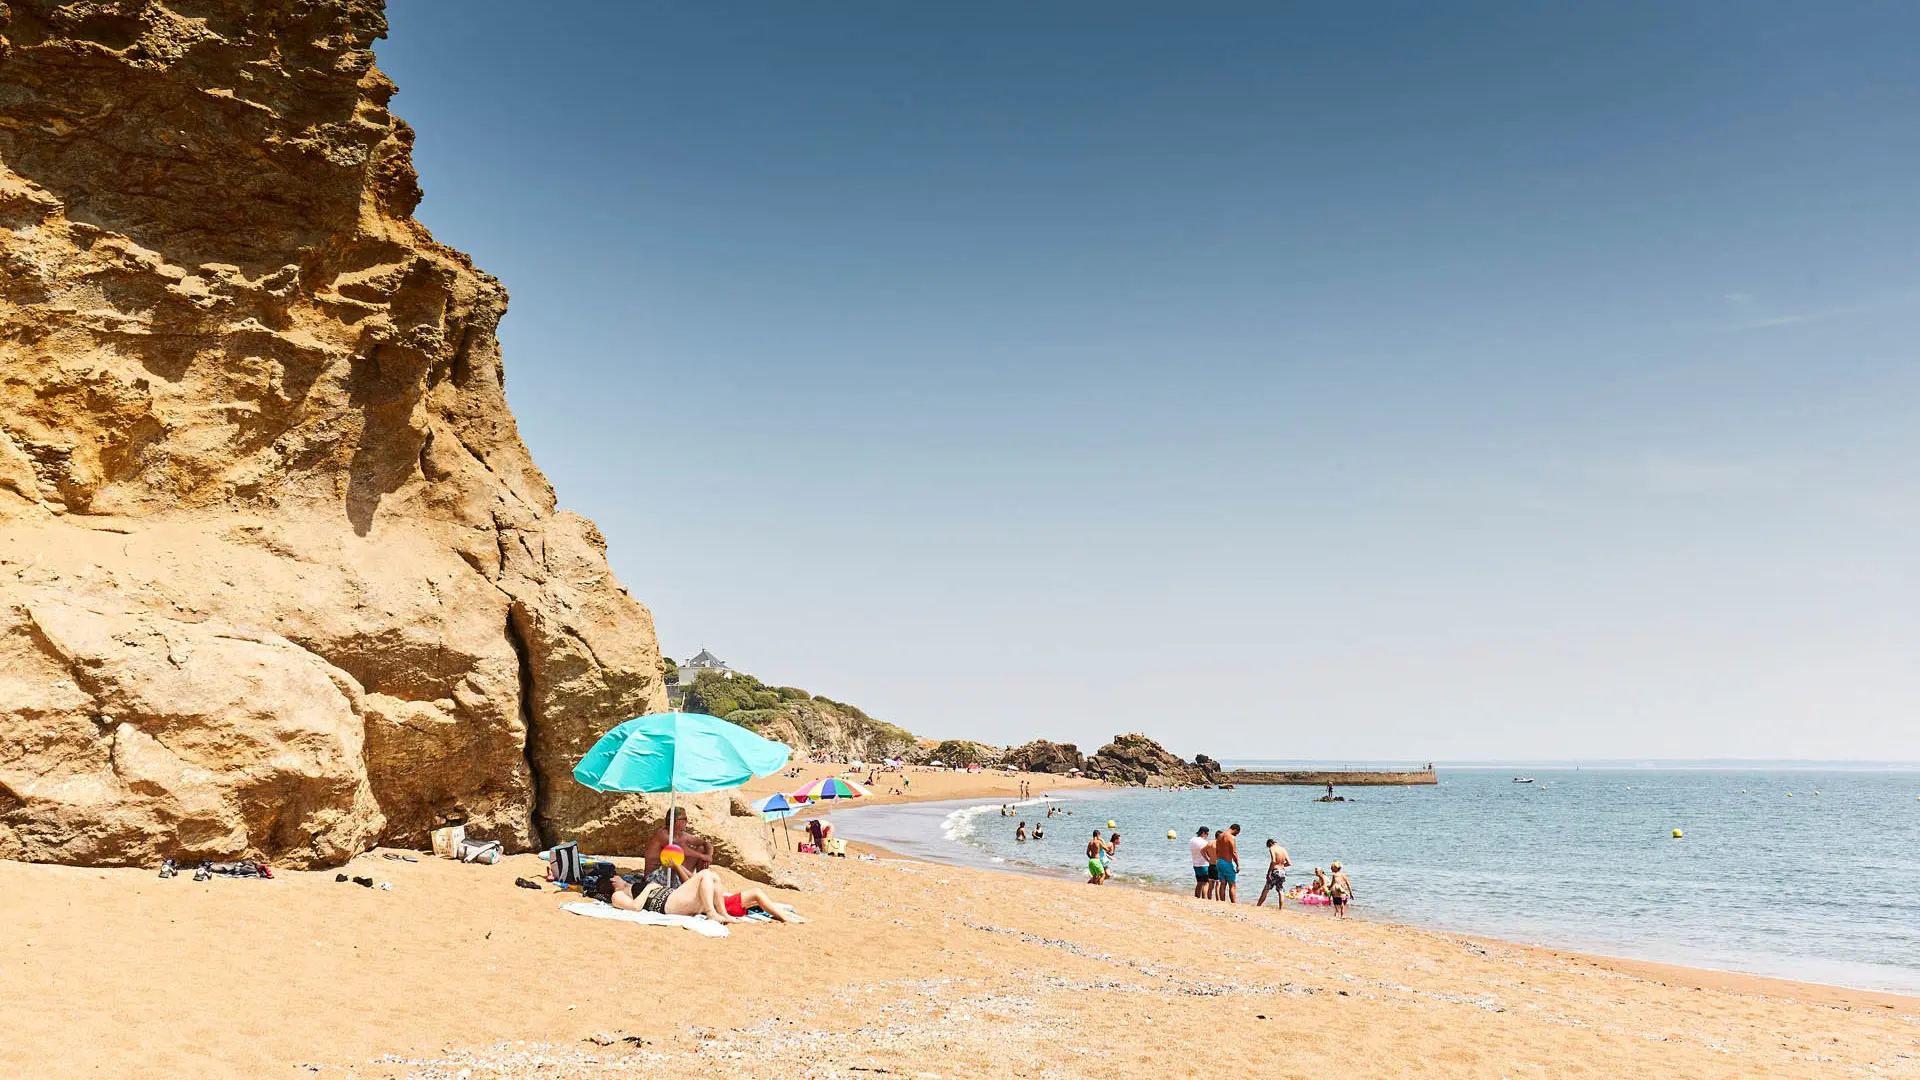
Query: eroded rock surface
[(277, 575)]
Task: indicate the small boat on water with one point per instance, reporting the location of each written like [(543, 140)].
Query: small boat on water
[(1523, 779)]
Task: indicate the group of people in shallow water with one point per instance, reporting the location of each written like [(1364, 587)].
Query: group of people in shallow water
[(1216, 865), (1099, 851), (1216, 873), (1039, 832)]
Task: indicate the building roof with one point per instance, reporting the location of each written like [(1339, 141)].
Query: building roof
[(705, 659)]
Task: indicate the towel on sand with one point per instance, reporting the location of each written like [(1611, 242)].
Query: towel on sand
[(645, 918)]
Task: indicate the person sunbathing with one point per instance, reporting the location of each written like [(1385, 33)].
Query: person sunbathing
[(700, 892)]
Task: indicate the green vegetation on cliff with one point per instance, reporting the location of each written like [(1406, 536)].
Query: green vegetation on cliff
[(799, 719)]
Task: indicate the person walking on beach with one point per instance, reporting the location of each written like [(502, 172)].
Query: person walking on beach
[(1200, 852), (1096, 860), (1226, 865), (1339, 890), (1277, 863)]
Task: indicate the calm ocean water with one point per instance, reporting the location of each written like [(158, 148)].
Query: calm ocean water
[(1803, 874)]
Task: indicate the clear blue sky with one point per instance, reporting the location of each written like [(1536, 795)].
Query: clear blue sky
[(1406, 381)]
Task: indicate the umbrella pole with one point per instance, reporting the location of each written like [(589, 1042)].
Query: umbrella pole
[(672, 796)]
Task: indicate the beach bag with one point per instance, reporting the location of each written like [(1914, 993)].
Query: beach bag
[(564, 869), (596, 878), (447, 841), (480, 851)]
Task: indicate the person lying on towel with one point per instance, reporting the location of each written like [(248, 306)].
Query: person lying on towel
[(697, 892)]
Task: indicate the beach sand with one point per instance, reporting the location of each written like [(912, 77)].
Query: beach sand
[(923, 785), (909, 969)]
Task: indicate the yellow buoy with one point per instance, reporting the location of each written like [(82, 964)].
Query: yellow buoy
[(1170, 835), (1110, 823), (1676, 834)]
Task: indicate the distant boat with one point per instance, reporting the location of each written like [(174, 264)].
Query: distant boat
[(1523, 779)]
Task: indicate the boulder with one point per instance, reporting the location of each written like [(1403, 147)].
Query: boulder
[(132, 738), (1136, 759), (1042, 756)]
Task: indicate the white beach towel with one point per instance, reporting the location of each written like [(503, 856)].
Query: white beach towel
[(645, 918)]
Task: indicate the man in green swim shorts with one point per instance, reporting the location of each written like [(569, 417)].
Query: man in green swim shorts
[(1096, 865)]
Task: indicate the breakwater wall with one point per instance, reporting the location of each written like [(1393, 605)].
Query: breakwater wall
[(1321, 778)]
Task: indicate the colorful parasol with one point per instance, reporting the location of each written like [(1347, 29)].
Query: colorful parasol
[(832, 787)]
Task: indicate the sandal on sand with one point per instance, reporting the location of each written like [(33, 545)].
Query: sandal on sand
[(364, 881), (339, 877), (525, 884)]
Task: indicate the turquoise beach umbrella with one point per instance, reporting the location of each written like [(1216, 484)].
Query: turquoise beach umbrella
[(675, 752)]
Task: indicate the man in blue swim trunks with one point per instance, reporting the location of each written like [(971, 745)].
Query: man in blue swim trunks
[(1226, 864), (1200, 849)]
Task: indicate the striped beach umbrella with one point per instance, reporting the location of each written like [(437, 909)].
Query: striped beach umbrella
[(832, 787)]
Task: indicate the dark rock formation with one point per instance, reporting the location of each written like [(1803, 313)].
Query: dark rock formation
[(1136, 759), (1042, 756)]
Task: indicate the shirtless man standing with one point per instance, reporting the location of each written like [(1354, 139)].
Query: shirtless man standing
[(1277, 863), (1096, 863), (1226, 849)]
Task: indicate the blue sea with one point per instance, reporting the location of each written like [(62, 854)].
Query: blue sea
[(1802, 873)]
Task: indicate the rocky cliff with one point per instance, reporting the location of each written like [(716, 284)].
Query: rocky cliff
[(1128, 759), (277, 575)]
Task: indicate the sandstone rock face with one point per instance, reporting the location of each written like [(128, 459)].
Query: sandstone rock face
[(277, 576)]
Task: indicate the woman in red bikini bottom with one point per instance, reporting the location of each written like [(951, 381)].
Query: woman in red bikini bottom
[(701, 893)]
